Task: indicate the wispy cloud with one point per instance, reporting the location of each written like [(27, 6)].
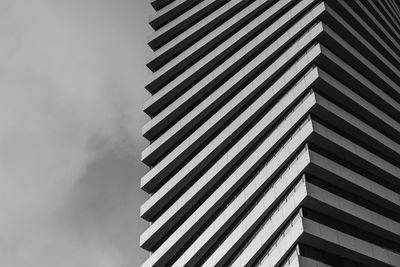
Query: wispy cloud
[(69, 93)]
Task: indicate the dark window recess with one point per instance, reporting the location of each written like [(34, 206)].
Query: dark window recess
[(354, 167), (351, 230), (326, 257), (354, 198)]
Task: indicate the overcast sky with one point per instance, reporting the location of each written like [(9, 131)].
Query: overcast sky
[(71, 90)]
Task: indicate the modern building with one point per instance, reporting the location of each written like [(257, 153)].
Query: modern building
[(274, 133)]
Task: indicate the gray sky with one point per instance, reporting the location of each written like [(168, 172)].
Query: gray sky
[(71, 90)]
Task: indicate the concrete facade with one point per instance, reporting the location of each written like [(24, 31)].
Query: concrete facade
[(274, 133)]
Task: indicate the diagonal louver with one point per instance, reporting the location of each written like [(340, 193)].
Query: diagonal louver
[(274, 133)]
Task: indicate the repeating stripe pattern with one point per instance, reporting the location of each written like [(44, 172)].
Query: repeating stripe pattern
[(274, 133)]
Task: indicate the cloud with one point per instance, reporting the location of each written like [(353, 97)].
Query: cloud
[(67, 97)]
